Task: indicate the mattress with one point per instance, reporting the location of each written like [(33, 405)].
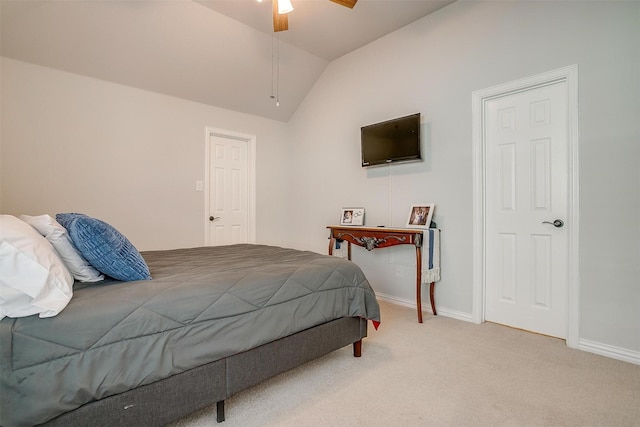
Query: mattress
[(203, 304)]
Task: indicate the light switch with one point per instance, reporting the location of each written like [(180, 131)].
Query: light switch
[(198, 185)]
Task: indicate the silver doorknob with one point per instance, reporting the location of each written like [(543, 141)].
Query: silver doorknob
[(558, 223)]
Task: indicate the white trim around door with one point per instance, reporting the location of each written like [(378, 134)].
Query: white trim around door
[(570, 76), (251, 179)]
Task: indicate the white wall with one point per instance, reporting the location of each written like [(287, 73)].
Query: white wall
[(127, 156), (432, 67)]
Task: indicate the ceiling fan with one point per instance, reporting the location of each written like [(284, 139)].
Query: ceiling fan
[(282, 7)]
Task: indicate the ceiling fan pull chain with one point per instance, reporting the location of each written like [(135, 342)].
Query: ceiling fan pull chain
[(273, 40), (278, 73)]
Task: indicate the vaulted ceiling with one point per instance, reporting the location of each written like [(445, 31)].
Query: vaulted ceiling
[(217, 52)]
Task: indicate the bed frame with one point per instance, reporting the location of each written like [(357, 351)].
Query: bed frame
[(175, 397)]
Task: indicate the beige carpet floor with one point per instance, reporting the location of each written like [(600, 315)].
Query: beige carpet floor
[(443, 372)]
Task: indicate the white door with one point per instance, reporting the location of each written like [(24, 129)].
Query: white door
[(526, 255), (229, 195)]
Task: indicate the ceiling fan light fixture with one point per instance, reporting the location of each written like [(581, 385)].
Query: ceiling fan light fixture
[(284, 7)]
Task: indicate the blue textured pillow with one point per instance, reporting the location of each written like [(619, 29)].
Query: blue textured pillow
[(105, 247)]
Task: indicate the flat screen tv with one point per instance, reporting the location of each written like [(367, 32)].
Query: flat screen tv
[(396, 140)]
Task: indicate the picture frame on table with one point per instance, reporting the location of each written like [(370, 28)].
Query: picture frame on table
[(420, 215), (352, 216)]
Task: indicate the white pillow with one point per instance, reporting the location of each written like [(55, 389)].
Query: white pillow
[(57, 235), (33, 278)]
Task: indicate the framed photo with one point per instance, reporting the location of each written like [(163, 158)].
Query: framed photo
[(352, 216), (420, 215)]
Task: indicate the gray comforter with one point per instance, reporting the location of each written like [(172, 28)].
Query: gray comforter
[(203, 304)]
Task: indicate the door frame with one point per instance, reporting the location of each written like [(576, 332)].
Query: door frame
[(251, 179), (568, 75)]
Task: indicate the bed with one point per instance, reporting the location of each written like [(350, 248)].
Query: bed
[(211, 322)]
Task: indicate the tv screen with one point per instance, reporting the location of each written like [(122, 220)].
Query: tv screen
[(396, 140)]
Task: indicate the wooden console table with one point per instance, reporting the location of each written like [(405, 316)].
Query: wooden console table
[(382, 237)]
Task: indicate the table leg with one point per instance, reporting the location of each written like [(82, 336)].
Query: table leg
[(433, 299), (418, 282)]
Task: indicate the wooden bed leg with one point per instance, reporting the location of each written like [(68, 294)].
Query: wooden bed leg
[(357, 348), (220, 411)]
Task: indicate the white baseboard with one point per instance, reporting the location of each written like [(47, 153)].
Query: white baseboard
[(611, 351), (426, 308), (606, 350)]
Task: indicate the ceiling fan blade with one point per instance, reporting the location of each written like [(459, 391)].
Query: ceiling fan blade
[(280, 22), (347, 3)]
